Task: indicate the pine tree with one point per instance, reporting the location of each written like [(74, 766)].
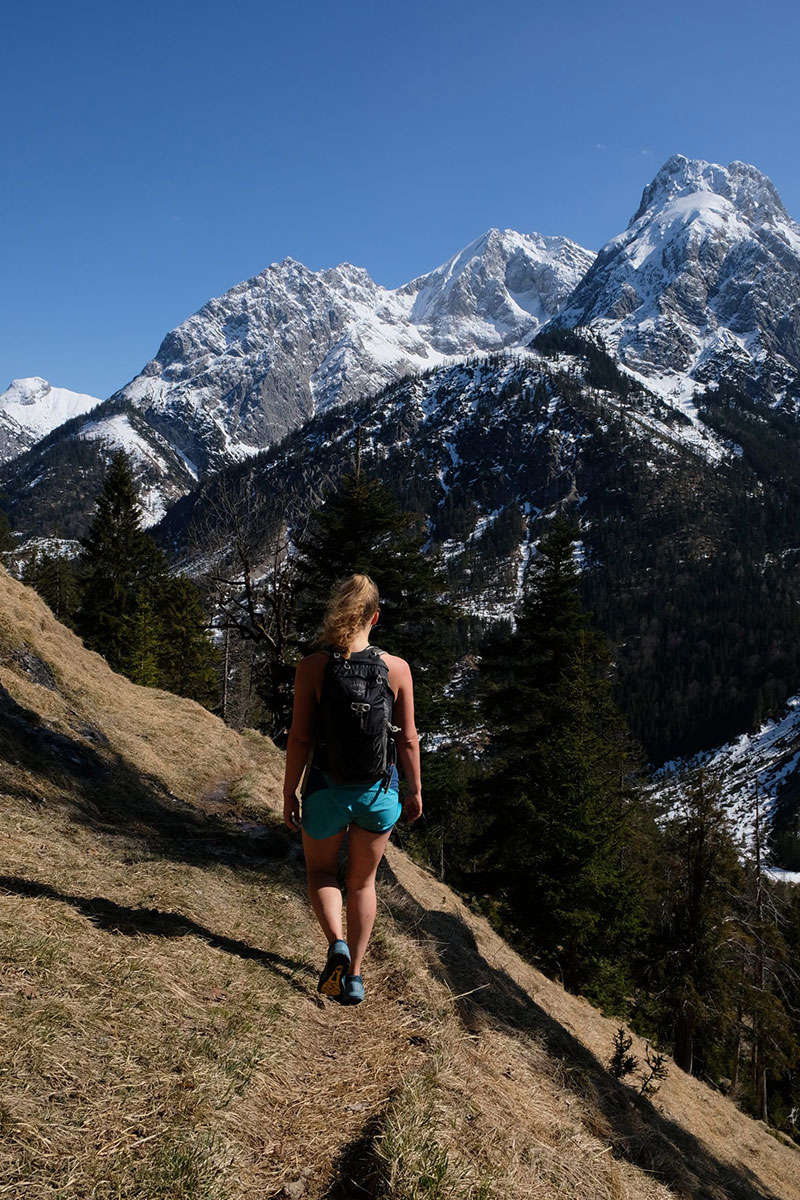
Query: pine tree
[(6, 536), (187, 659), (559, 782), (141, 662), (119, 563)]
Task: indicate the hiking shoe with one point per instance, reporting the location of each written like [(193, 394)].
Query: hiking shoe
[(330, 981), (352, 989)]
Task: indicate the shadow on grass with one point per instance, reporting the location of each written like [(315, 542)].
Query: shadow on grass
[(636, 1129), (109, 794), (130, 922), (357, 1174)]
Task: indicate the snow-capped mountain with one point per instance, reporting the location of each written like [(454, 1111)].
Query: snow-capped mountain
[(31, 408), (257, 361), (53, 487), (704, 282)]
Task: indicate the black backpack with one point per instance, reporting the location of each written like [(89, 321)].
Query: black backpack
[(354, 733)]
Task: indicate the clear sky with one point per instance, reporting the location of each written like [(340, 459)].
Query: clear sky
[(154, 154)]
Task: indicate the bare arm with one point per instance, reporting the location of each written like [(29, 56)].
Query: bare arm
[(307, 683), (407, 740)]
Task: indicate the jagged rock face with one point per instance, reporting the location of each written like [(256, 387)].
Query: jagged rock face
[(495, 291), (14, 440), (705, 280), (31, 408), (256, 362)]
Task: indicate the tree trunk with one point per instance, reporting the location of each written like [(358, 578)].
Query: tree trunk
[(225, 671), (761, 1078), (684, 1037), (737, 1045)]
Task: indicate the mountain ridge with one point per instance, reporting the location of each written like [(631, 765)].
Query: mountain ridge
[(701, 285), (290, 341), (200, 405), (672, 296)]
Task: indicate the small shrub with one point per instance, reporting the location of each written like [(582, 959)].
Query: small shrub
[(622, 1063)]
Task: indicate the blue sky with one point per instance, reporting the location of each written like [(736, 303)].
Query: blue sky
[(154, 154)]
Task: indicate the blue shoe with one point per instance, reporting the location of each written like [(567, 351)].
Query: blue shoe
[(330, 981), (352, 989)]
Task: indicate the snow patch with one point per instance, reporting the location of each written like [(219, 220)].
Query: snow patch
[(758, 761)]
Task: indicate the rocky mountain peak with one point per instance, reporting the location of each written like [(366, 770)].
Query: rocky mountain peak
[(254, 362), (496, 289), (703, 282), (24, 391), (750, 192)]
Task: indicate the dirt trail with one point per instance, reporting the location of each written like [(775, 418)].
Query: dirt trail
[(330, 1088)]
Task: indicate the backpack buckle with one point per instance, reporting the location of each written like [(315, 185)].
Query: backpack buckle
[(360, 707)]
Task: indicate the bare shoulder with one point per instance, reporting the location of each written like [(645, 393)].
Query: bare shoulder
[(312, 666), (399, 670)]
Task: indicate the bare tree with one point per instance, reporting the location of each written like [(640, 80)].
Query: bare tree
[(244, 551)]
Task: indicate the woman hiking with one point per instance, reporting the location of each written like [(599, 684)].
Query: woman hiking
[(352, 704)]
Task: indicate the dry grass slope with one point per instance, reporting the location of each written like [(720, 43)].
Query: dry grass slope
[(162, 1036)]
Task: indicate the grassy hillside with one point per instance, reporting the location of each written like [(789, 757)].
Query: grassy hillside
[(162, 1035)]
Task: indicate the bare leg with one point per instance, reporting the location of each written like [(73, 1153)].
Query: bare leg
[(364, 853), (322, 861)]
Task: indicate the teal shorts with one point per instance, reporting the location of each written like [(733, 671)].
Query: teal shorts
[(331, 807)]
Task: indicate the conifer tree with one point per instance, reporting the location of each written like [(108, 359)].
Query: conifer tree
[(53, 577), (559, 782), (118, 565), (6, 536), (141, 662), (187, 660)]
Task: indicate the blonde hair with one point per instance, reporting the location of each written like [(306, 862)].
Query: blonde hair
[(352, 603)]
